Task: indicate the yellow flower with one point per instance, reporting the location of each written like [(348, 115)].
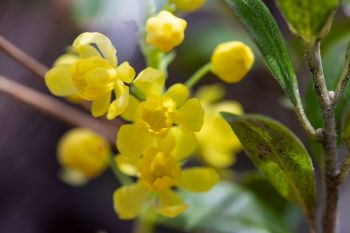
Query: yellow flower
[(218, 144), (158, 171), (83, 155), (231, 61), (92, 74), (153, 118), (188, 5), (165, 31)]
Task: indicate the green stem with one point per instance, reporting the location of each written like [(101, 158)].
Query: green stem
[(123, 179), (200, 73)]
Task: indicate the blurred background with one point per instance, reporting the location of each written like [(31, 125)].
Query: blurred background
[(32, 198)]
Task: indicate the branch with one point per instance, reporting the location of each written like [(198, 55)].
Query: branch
[(344, 78), (305, 123), (313, 55), (344, 170), (54, 108), (23, 58)]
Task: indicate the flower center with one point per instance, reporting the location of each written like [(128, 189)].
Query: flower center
[(156, 115), (158, 170), (93, 77)]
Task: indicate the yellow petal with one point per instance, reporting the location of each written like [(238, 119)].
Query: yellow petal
[(130, 111), (179, 93), (166, 144), (217, 157), (100, 106), (229, 106), (150, 82), (132, 140), (190, 115), (66, 59), (59, 81), (125, 72), (198, 179), (211, 93), (185, 143), (86, 41), (171, 204), (119, 105), (72, 177), (127, 165), (129, 200)]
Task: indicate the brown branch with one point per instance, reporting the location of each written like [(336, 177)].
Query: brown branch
[(313, 55), (22, 57), (55, 108)]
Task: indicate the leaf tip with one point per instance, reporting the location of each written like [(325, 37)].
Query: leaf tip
[(229, 117)]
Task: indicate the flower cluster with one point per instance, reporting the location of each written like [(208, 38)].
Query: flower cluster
[(152, 146), (163, 126)]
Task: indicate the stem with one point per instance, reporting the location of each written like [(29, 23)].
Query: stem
[(200, 73), (344, 169), (22, 57), (344, 78), (54, 108), (305, 123), (313, 55), (123, 179)]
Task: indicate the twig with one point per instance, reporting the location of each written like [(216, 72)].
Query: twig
[(344, 78), (54, 108), (23, 58), (313, 55), (344, 170), (305, 123)]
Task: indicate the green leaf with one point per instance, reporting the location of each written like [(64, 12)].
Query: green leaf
[(226, 208), (280, 155), (262, 27), (308, 18)]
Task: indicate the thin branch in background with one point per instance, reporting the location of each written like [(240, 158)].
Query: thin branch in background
[(22, 57), (55, 108), (39, 69)]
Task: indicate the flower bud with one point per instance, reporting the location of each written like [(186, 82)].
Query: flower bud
[(231, 61), (165, 31), (83, 152)]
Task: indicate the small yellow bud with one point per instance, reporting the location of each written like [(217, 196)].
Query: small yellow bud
[(83, 152), (231, 61), (188, 5), (165, 31)]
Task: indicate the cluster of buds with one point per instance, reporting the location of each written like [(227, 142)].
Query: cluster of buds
[(164, 126)]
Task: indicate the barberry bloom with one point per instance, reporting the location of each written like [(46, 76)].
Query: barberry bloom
[(218, 144), (188, 5), (83, 155), (165, 31), (231, 61), (153, 118), (91, 73), (158, 171)]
